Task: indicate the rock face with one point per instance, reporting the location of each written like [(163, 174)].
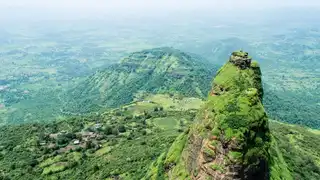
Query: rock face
[(230, 138), (240, 59)]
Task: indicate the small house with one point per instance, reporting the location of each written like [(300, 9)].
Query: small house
[(76, 142)]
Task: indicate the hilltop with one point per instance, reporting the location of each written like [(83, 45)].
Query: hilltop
[(159, 70)]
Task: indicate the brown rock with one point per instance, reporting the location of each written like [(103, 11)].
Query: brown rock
[(240, 59)]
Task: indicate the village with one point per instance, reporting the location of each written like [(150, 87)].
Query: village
[(64, 141)]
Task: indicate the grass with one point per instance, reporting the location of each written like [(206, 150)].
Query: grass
[(234, 155), (279, 167), (166, 122), (163, 100), (139, 107), (180, 172), (240, 53), (175, 150), (58, 167), (50, 161), (156, 169), (296, 148), (217, 167), (230, 73), (175, 103), (106, 149), (209, 152)]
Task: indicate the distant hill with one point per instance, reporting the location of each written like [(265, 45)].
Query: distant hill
[(160, 70)]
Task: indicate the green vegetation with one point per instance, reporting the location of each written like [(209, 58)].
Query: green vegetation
[(279, 168), (299, 148), (88, 147), (209, 152), (233, 119), (175, 150), (45, 59), (60, 70), (234, 156), (41, 63), (148, 137), (217, 168), (294, 107), (160, 70), (155, 170)]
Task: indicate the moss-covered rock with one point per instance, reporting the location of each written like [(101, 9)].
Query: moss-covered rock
[(240, 59), (231, 130)]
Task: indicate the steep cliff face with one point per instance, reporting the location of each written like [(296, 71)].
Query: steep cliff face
[(230, 138)]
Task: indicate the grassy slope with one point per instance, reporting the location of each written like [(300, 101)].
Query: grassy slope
[(160, 70), (300, 149)]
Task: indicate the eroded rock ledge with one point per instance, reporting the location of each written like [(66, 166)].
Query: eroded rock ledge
[(241, 59)]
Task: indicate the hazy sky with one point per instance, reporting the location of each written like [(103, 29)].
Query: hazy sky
[(146, 4), (34, 9)]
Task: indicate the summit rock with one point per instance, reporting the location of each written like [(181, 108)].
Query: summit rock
[(240, 59)]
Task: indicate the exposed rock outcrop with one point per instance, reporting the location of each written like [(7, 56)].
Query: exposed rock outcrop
[(240, 59)]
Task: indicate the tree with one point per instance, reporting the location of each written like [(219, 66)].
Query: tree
[(96, 168), (144, 132), (115, 131), (89, 144), (122, 128), (62, 139), (33, 162), (108, 130)]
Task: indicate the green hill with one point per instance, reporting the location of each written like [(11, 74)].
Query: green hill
[(160, 70), (164, 133)]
